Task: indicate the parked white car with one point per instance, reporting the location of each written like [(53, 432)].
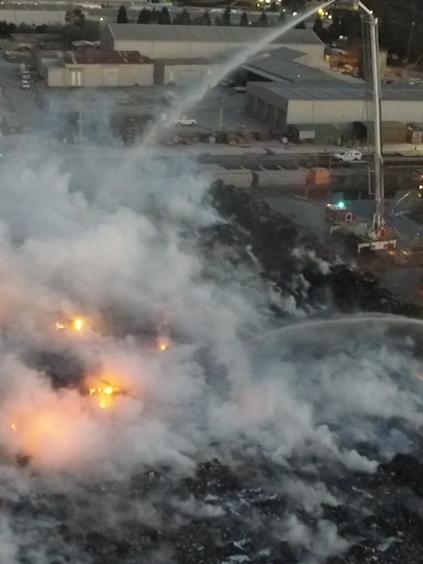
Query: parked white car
[(25, 84), (349, 156), (185, 120)]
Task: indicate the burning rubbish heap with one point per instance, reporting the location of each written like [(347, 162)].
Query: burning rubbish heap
[(179, 425)]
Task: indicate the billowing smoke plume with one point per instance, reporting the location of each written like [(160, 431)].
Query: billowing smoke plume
[(131, 347)]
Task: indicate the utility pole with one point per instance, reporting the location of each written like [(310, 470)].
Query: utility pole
[(409, 46), (221, 118)]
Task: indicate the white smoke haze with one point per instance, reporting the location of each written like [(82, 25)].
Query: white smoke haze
[(123, 254)]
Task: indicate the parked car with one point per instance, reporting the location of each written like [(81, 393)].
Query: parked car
[(348, 156), (25, 84), (226, 82), (240, 88), (185, 120)]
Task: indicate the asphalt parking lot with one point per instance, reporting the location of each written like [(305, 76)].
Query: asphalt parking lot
[(19, 109), (41, 107)]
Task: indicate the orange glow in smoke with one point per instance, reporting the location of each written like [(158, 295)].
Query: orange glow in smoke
[(39, 430), (163, 343), (78, 324), (105, 394), (75, 325)]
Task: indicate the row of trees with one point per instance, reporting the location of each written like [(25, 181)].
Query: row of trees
[(76, 27), (147, 16), (400, 25), (344, 24)]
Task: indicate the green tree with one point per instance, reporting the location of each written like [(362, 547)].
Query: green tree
[(206, 18), (263, 20), (144, 16), (244, 21), (154, 16), (226, 16), (164, 16), (334, 31), (122, 16), (318, 28), (282, 17), (183, 18), (75, 17)]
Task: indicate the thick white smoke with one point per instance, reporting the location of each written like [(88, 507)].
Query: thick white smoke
[(122, 253)]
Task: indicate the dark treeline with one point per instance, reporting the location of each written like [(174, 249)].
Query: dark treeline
[(400, 25), (162, 16)]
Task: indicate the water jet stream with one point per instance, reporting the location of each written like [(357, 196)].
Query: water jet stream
[(346, 321), (233, 63)]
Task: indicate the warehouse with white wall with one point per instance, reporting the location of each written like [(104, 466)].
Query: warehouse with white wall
[(33, 15), (193, 41), (182, 72), (281, 105), (96, 68)]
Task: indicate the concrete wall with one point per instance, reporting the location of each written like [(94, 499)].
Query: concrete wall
[(33, 17), (101, 75), (347, 111), (193, 49), (327, 111), (404, 112), (183, 74), (272, 106), (55, 76)]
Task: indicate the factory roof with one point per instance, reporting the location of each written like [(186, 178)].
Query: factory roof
[(104, 57), (185, 61), (280, 65), (335, 93), (34, 37), (211, 34)]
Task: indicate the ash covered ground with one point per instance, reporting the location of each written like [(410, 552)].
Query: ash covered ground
[(172, 393)]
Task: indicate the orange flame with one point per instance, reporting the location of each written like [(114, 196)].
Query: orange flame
[(105, 394), (76, 325)]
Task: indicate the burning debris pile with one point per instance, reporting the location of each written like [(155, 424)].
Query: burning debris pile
[(169, 395)]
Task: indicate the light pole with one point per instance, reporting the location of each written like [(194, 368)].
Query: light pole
[(221, 118)]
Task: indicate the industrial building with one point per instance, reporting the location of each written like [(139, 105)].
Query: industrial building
[(206, 42), (183, 72), (32, 14), (326, 113), (95, 68), (289, 66)]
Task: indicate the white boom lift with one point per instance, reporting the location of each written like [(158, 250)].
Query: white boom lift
[(375, 237)]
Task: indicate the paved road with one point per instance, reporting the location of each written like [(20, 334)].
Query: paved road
[(19, 107)]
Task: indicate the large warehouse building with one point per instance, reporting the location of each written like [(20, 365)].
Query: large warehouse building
[(319, 113), (96, 68), (32, 14), (193, 41)]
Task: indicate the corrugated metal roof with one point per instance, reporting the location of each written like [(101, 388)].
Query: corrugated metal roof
[(336, 92), (204, 33), (103, 57), (279, 69)]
